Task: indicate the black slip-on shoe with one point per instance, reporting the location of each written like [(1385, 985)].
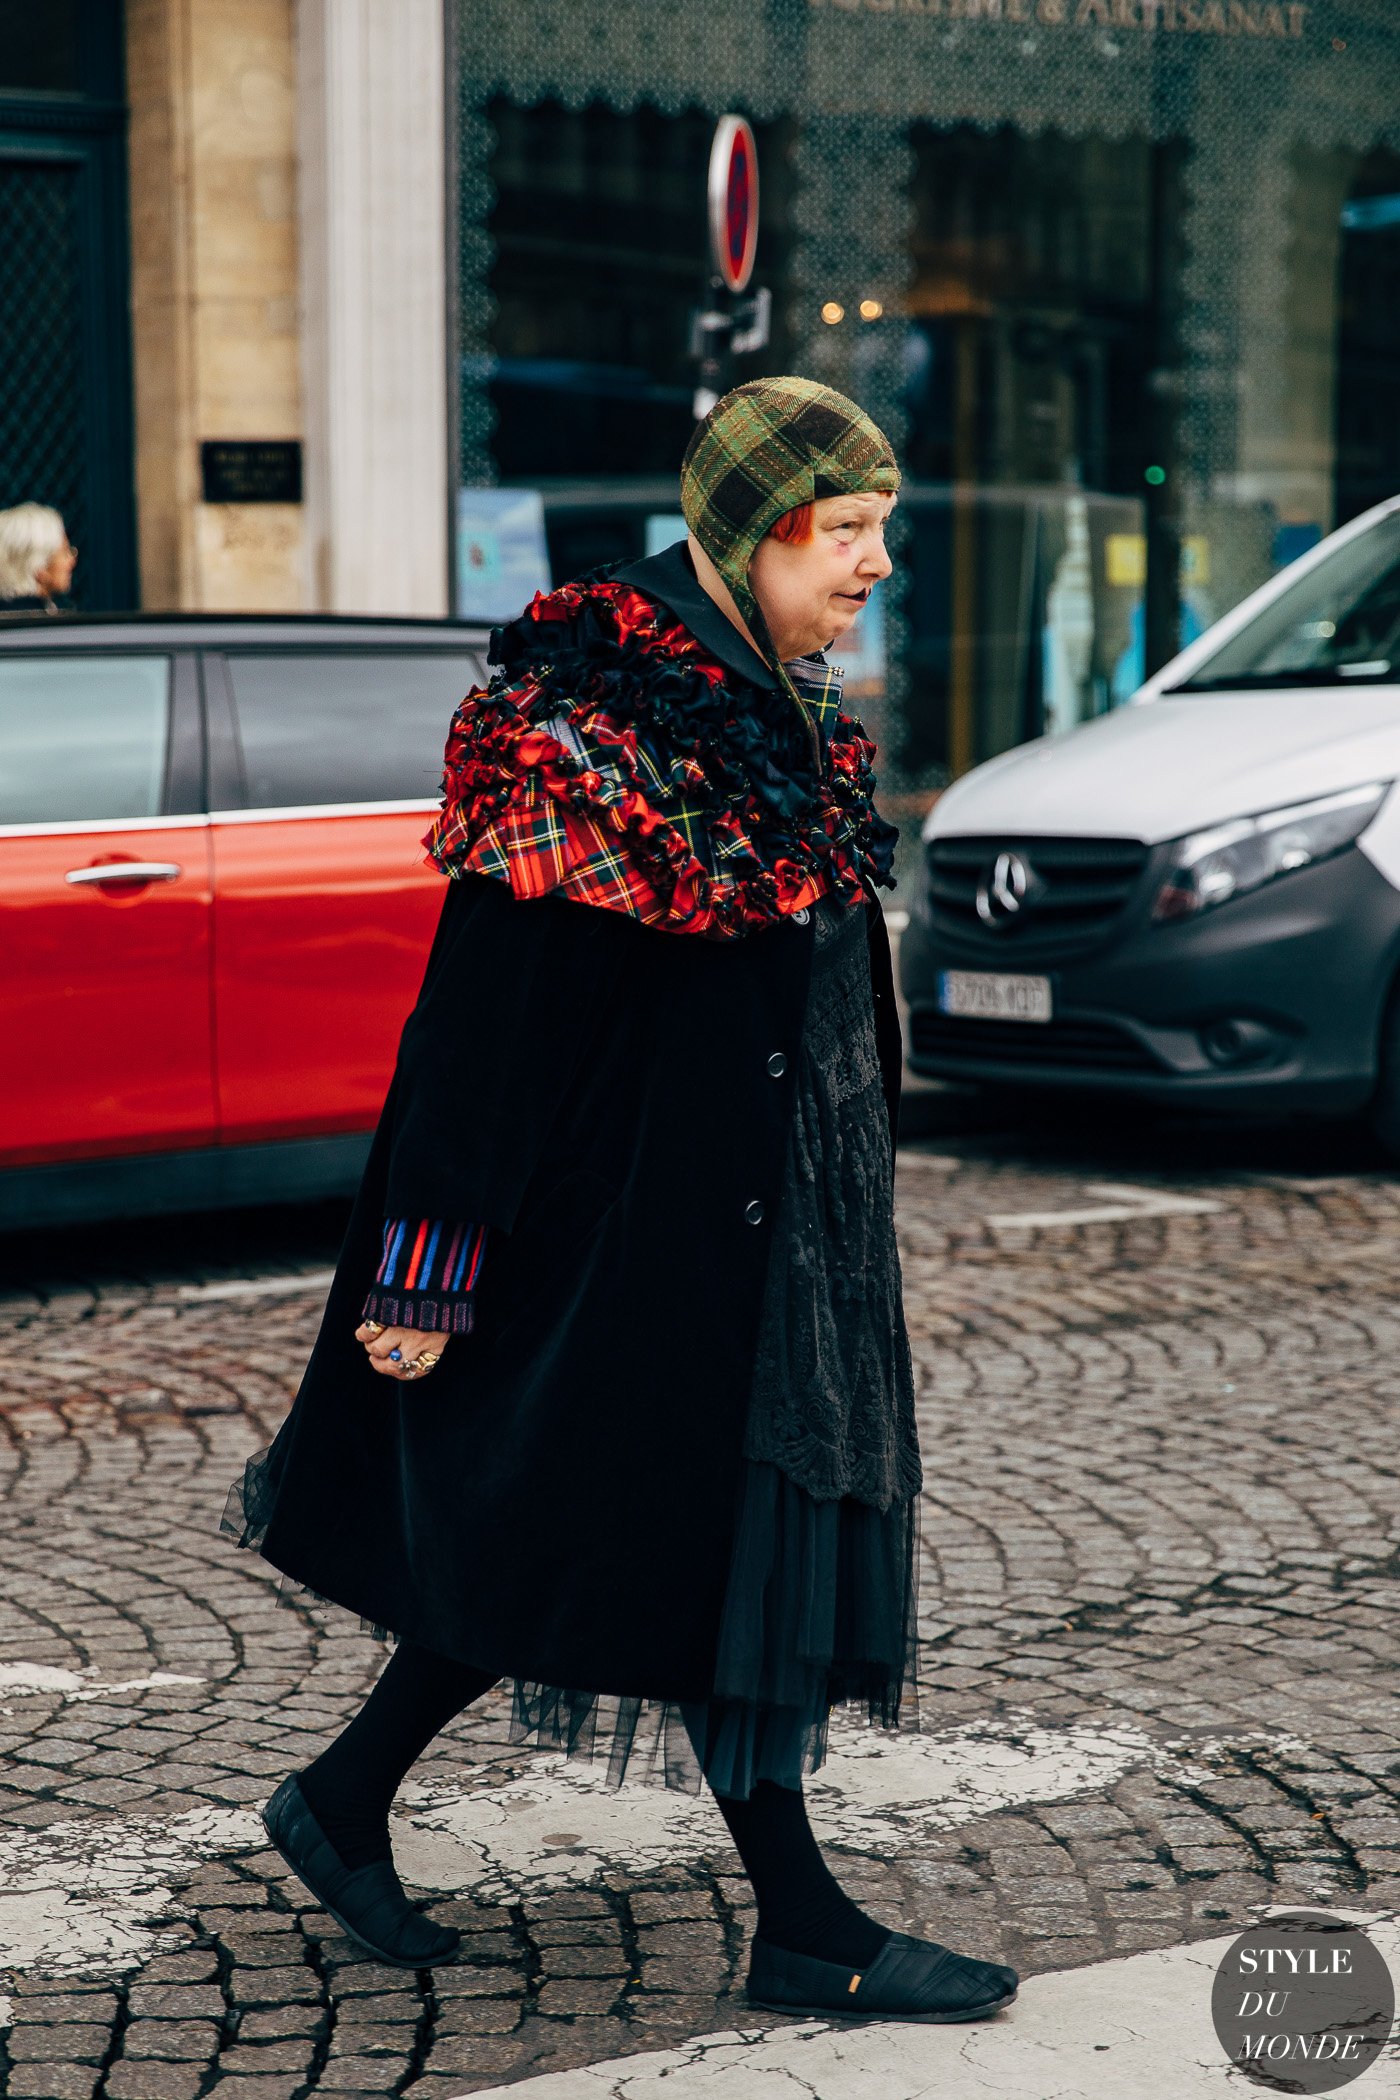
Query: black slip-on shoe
[(367, 1902), (909, 1979)]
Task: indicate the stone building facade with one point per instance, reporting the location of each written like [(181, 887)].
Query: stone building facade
[(270, 222)]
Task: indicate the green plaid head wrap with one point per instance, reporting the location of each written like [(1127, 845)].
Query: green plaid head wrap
[(762, 450)]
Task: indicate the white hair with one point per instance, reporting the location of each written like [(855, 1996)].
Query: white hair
[(30, 536)]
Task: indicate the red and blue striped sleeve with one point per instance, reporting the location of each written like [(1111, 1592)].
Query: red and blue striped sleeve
[(427, 1274)]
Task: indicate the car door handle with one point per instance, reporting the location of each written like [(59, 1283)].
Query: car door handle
[(127, 871)]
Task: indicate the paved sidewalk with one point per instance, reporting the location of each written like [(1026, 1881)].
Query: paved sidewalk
[(1162, 1537), (1137, 2028)]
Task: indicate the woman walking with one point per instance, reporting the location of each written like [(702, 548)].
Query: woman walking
[(612, 1398)]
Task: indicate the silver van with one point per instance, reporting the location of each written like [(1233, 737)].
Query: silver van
[(1195, 898)]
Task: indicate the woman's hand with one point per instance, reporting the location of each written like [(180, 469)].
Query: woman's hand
[(400, 1352)]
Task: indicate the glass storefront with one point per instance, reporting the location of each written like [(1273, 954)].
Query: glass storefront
[(597, 231), (1118, 276)]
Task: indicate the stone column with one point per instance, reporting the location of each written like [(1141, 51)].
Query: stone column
[(372, 210), (213, 291)]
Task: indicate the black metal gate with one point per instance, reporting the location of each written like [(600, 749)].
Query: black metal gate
[(65, 338)]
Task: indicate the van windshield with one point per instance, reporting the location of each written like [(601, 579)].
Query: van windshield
[(1338, 625)]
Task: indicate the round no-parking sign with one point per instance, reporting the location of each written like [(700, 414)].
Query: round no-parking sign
[(733, 199)]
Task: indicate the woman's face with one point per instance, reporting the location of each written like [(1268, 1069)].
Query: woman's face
[(810, 591), (56, 575)]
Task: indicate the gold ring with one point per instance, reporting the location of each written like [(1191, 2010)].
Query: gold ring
[(425, 1362), (376, 1328)]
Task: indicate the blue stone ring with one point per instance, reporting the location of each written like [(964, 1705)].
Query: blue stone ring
[(396, 1356)]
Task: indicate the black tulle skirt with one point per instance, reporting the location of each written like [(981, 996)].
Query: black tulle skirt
[(819, 1611)]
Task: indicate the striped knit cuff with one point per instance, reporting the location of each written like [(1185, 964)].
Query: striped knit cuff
[(400, 1309), (427, 1272)]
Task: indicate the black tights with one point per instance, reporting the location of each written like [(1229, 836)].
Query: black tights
[(350, 1786), (801, 1904)]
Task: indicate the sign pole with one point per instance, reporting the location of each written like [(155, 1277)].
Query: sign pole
[(728, 323)]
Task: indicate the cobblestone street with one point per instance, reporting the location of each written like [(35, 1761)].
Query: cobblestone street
[(1161, 1545)]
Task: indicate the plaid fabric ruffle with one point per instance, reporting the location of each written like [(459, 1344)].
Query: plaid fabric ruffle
[(609, 761)]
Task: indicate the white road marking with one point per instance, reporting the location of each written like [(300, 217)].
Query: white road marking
[(32, 1680), (260, 1286), (1136, 2028), (1305, 1184), (91, 1895), (877, 1795), (1125, 1204)]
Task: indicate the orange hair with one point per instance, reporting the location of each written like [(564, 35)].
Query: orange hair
[(793, 524)]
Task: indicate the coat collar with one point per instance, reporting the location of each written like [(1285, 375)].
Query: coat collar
[(670, 577)]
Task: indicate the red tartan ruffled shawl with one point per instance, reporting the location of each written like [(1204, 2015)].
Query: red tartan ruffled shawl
[(612, 760)]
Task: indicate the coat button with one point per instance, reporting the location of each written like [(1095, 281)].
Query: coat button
[(777, 1065), (800, 918), (754, 1212)]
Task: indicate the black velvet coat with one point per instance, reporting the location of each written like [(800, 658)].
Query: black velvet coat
[(555, 1502)]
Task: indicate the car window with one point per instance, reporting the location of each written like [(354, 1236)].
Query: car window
[(1339, 624), (82, 737), (345, 727)]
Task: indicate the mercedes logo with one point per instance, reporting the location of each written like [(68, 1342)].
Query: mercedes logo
[(1002, 890)]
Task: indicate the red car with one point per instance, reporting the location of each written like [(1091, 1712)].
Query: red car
[(214, 907)]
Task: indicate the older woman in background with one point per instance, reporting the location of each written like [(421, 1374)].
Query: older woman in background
[(37, 559)]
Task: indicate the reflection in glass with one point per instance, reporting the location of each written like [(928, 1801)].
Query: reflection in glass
[(1339, 622), (601, 256), (1045, 552), (1368, 356), (346, 727)]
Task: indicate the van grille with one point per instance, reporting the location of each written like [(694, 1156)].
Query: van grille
[(1075, 889), (1096, 1045)]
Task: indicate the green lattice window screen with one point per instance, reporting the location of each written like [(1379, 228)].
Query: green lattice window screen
[(44, 440)]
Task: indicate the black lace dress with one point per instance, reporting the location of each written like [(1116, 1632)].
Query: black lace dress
[(820, 1600)]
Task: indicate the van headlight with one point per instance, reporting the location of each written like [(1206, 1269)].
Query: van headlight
[(1212, 866)]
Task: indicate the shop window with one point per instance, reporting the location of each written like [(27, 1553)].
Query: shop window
[(1045, 561), (1368, 355), (601, 253)]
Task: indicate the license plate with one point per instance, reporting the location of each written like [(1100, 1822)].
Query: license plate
[(993, 995)]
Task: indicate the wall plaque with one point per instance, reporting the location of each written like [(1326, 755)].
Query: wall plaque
[(251, 470)]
